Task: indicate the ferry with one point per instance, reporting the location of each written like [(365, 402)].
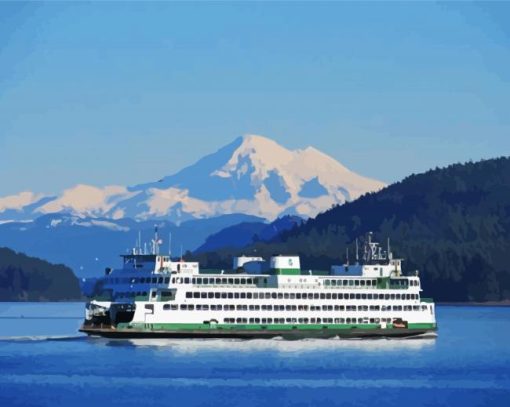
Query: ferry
[(155, 296)]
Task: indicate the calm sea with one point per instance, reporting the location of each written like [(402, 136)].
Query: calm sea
[(45, 362)]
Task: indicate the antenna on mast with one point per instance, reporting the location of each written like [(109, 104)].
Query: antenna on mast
[(357, 254), (170, 244), (156, 242), (347, 254), (181, 252)]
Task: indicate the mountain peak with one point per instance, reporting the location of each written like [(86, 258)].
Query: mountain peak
[(252, 175)]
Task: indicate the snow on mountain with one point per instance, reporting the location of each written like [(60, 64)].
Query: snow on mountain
[(252, 175)]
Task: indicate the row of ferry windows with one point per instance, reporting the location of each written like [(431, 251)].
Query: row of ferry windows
[(299, 296), (365, 320), (139, 280), (372, 282), (249, 281), (244, 307), (184, 280)]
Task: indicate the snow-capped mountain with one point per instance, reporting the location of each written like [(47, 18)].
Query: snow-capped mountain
[(252, 175)]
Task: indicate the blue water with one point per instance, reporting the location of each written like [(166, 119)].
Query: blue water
[(45, 362)]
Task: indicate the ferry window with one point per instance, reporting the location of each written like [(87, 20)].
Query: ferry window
[(167, 280), (203, 295), (173, 307), (243, 281), (184, 307), (160, 280), (193, 281), (236, 295), (386, 296), (243, 295), (248, 295), (205, 307), (334, 296), (217, 295), (199, 280), (392, 296), (340, 296), (268, 295), (328, 296), (219, 307), (326, 282), (218, 281), (231, 281), (286, 296), (223, 281), (186, 280), (323, 296), (154, 280), (210, 295), (351, 282), (249, 281), (362, 282), (173, 280), (223, 295), (316, 296), (196, 295), (298, 296), (333, 282), (230, 295), (356, 283)]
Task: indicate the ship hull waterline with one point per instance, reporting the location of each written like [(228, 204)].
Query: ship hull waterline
[(259, 334)]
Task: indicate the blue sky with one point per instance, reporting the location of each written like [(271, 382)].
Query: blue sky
[(125, 93)]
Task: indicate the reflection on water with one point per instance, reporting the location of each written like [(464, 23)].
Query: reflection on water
[(274, 345)]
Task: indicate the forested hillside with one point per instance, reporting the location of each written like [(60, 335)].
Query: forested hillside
[(452, 224), (24, 278)]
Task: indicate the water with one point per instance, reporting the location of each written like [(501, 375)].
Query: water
[(45, 362)]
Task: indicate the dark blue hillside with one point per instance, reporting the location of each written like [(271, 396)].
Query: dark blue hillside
[(452, 224)]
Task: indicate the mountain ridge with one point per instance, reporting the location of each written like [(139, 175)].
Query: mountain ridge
[(252, 175)]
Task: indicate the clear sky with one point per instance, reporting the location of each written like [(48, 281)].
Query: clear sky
[(123, 93)]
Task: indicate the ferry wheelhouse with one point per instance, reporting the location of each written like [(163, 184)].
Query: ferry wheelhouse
[(155, 296)]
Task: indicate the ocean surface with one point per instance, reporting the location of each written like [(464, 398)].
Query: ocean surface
[(44, 361)]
